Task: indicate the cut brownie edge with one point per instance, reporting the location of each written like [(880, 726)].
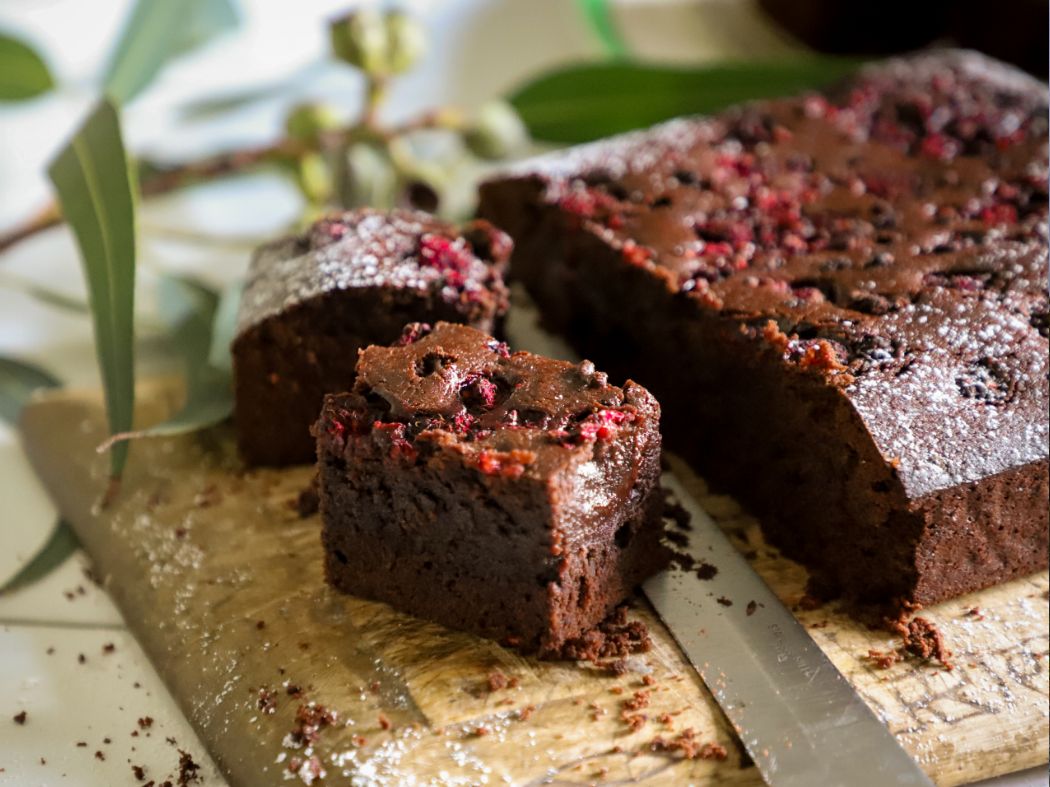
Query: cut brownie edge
[(504, 494), (351, 280)]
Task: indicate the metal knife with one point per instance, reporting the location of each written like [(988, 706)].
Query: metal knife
[(800, 720)]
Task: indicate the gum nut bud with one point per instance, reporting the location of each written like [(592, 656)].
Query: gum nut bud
[(306, 122), (497, 131), (407, 41), (314, 178), (360, 39)]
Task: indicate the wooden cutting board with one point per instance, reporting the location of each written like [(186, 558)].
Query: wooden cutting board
[(221, 581)]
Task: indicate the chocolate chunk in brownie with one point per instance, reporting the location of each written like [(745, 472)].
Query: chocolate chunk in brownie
[(506, 494), (353, 279), (840, 300)]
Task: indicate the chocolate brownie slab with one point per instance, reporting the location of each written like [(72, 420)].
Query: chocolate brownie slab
[(509, 495), (353, 279), (840, 301)]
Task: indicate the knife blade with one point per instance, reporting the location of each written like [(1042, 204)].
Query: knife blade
[(798, 718)]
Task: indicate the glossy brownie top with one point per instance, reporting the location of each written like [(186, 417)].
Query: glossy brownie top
[(454, 388), (401, 249), (890, 235)]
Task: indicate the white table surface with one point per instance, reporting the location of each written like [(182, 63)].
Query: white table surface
[(478, 50)]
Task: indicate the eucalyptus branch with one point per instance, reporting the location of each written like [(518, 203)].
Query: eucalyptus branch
[(381, 46), (160, 179)]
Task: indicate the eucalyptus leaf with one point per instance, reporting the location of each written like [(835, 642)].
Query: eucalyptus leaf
[(18, 381), (225, 328), (600, 15), (45, 295), (94, 184), (586, 102), (158, 30), (56, 550), (23, 73), (188, 308)]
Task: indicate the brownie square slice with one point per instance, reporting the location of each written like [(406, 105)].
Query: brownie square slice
[(840, 301), (509, 495), (353, 279)]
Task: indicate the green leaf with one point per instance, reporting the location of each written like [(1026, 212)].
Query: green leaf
[(94, 184), (189, 309), (225, 328), (158, 30), (18, 381), (44, 295), (600, 16), (23, 73), (588, 102), (56, 550)]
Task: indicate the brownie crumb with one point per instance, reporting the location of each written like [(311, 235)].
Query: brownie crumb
[(384, 722), (526, 713), (752, 607), (81, 744), (725, 602), (706, 571), (139, 771), (686, 744), (635, 721), (615, 667), (683, 560), (924, 640), (108, 648), (638, 700), (310, 720), (497, 681), (81, 658), (189, 771), (145, 722), (676, 512), (648, 680), (883, 659), (100, 756), (975, 613), (676, 538), (613, 638), (20, 717), (921, 641)]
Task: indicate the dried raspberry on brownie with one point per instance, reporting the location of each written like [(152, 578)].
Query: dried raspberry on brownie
[(509, 495), (351, 280)]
